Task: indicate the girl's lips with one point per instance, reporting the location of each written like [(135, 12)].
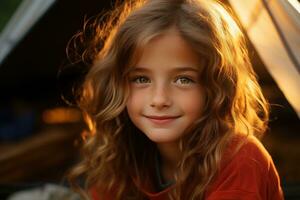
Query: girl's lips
[(162, 119)]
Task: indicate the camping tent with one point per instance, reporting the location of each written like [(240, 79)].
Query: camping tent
[(274, 29)]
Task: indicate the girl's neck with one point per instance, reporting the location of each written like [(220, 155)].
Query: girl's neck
[(170, 155)]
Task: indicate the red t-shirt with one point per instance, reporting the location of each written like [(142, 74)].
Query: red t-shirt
[(249, 174)]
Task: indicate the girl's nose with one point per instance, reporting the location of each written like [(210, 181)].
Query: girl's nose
[(161, 97)]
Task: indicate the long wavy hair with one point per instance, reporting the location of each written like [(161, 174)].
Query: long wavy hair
[(117, 156)]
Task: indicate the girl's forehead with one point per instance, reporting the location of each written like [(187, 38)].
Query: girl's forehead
[(171, 69), (174, 69), (169, 43)]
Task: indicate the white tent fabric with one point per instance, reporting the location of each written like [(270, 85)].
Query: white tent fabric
[(27, 14), (273, 27)]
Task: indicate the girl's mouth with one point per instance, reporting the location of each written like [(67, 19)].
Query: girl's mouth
[(162, 119)]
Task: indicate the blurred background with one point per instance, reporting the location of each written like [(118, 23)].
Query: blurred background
[(40, 133)]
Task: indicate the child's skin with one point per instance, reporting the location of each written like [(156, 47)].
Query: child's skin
[(165, 82)]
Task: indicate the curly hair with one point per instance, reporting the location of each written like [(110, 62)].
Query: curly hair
[(116, 152)]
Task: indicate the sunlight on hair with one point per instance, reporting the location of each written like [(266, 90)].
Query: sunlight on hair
[(231, 25), (90, 124)]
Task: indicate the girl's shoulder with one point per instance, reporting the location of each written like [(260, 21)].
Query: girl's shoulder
[(247, 170), (248, 156), (247, 149)]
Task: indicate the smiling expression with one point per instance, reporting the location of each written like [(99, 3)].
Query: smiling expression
[(165, 92)]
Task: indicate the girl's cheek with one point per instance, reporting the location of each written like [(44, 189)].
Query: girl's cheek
[(136, 99), (192, 101)]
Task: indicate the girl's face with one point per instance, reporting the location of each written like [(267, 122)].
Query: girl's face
[(165, 92)]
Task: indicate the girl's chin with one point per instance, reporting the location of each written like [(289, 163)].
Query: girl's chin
[(162, 139)]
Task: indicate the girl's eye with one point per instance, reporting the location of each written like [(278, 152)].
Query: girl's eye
[(184, 80), (140, 80)]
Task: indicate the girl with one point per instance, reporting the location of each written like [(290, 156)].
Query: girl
[(173, 107)]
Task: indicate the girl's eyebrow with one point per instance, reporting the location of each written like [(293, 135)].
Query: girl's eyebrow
[(177, 69)]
